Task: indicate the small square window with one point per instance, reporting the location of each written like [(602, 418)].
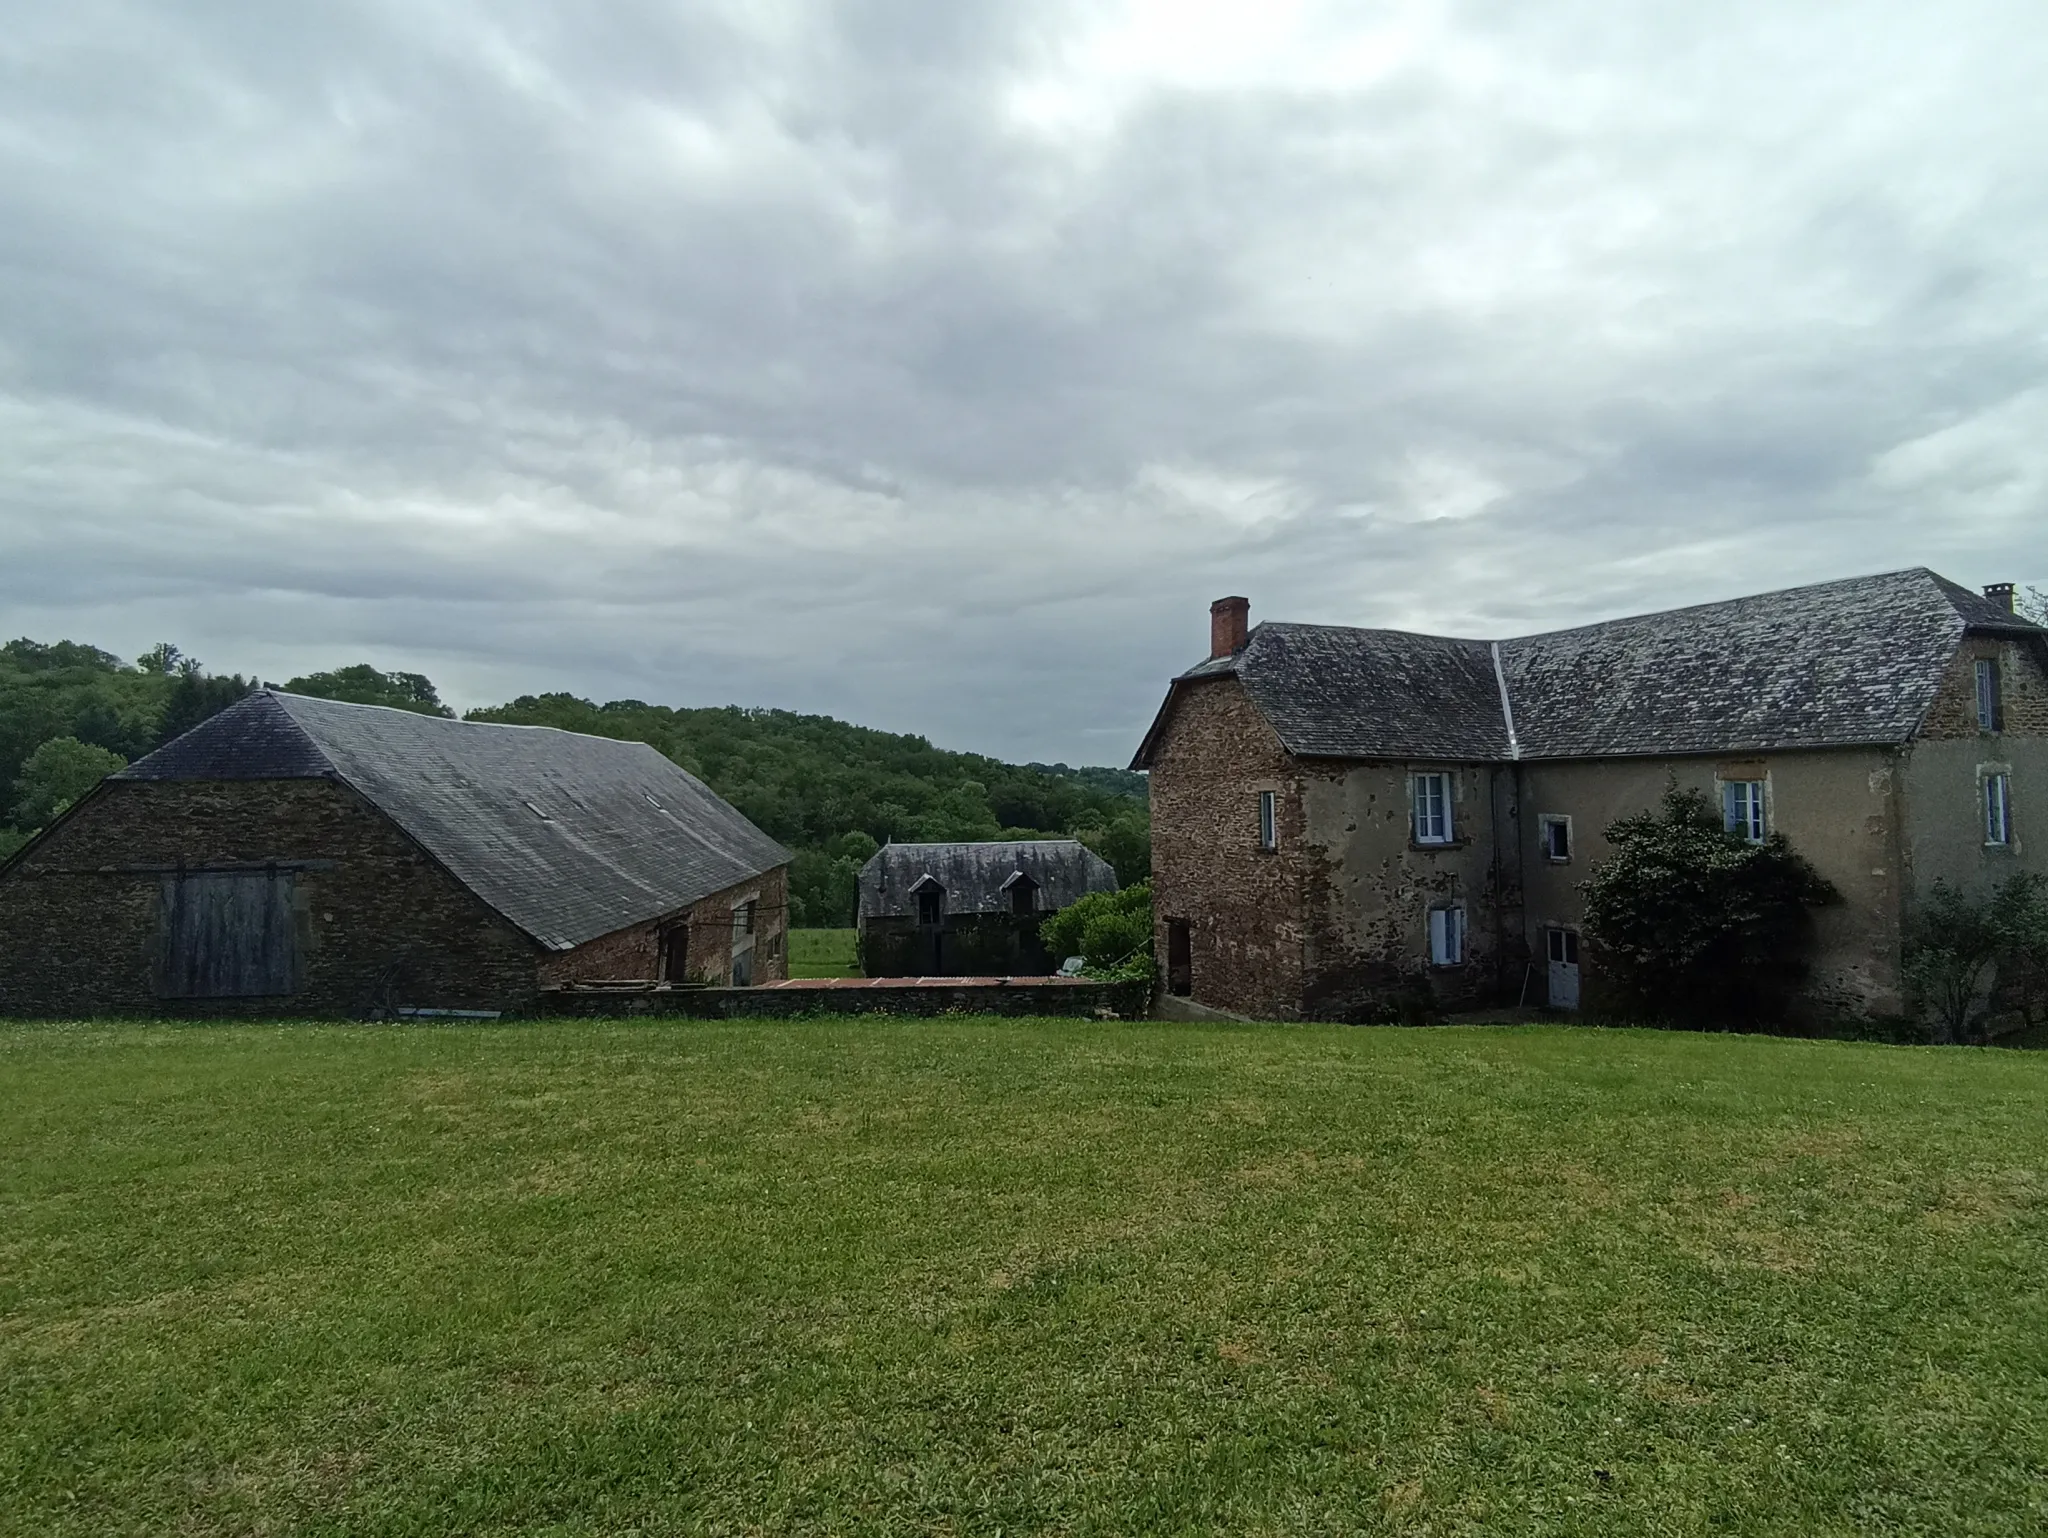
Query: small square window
[(1742, 808), (1990, 707), (1557, 839), (1432, 794), (1269, 820), (1446, 937), (1998, 809)]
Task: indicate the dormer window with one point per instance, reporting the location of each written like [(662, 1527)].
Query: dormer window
[(1990, 711), (1023, 894), (931, 902)]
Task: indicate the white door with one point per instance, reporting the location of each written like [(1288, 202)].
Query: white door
[(1564, 969)]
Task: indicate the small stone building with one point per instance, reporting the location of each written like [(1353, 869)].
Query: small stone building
[(305, 857), (966, 910), (1342, 817)]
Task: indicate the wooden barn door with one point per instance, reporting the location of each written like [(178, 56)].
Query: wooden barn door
[(228, 935)]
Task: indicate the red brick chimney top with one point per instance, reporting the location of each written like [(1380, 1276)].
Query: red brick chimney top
[(1229, 621)]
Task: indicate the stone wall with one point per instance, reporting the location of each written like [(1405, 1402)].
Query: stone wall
[(634, 954), (1242, 904), (2024, 691), (1124, 1001), (379, 924)]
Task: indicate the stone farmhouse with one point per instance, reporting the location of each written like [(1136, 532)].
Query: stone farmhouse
[(950, 910), (301, 856), (1343, 815)]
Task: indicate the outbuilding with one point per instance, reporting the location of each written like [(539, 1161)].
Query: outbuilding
[(952, 910), (308, 857)]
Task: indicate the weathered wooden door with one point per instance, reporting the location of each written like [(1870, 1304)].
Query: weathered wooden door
[(1564, 969), (227, 935)]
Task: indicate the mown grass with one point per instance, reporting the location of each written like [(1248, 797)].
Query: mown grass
[(981, 1277), (823, 953)]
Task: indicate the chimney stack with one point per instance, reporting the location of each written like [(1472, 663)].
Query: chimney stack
[(1229, 621), (2000, 593)]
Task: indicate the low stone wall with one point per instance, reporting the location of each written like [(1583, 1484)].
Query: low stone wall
[(883, 996)]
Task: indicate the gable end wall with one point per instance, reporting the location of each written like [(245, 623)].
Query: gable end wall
[(379, 923)]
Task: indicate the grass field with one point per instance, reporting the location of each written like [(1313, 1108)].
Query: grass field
[(822, 953), (981, 1277)]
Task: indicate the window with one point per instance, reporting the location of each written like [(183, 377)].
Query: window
[(1564, 947), (1446, 937), (1998, 809), (1269, 820), (1742, 808), (1557, 839), (931, 905), (1990, 715), (1432, 808), (1023, 895), (743, 918)]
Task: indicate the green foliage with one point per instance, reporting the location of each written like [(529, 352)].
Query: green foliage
[(1960, 940), (65, 689), (365, 685), (56, 775), (823, 953), (1110, 931), (833, 793), (1697, 924), (12, 839)]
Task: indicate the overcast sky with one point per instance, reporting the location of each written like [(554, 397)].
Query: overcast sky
[(933, 363)]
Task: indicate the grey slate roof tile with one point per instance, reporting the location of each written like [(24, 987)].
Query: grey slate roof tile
[(1831, 665), (569, 837), (974, 874)]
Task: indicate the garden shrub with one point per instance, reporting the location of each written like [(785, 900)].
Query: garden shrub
[(1960, 941), (1110, 931), (1697, 925)]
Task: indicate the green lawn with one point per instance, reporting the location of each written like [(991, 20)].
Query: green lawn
[(978, 1277), (823, 953)]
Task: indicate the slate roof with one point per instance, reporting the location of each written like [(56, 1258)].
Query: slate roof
[(1837, 664), (974, 875), (569, 837)]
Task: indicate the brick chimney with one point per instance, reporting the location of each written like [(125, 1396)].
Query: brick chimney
[(1229, 620), (2000, 593)]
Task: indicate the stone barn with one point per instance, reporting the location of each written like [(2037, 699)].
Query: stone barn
[(296, 856), (964, 910)]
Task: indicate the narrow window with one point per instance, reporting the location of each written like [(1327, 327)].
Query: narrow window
[(931, 905), (1432, 808), (746, 918), (1742, 808), (1998, 809), (1269, 820), (1447, 937), (1990, 715), (1023, 895), (1557, 839)]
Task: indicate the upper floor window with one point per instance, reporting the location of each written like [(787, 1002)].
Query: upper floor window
[(1742, 808), (931, 904), (1990, 714), (1557, 839), (1998, 809), (1432, 808), (1446, 937), (1269, 820), (744, 917)]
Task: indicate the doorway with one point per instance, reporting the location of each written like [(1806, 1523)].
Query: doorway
[(1564, 968), (1180, 959)]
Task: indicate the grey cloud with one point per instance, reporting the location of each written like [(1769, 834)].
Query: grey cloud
[(767, 353)]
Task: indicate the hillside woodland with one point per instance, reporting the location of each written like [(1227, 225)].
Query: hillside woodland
[(831, 792)]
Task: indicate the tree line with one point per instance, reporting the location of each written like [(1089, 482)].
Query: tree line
[(832, 792)]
